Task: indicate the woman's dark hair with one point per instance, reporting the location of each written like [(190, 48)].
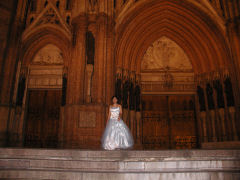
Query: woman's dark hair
[(114, 97)]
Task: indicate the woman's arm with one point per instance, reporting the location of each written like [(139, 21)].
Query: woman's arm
[(120, 113)]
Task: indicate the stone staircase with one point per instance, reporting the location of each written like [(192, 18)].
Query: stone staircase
[(119, 164)]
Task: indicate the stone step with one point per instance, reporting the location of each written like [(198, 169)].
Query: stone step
[(24, 163)]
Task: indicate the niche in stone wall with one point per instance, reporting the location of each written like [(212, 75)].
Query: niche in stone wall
[(90, 47)]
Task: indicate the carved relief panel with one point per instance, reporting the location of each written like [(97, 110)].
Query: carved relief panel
[(46, 69), (165, 68)]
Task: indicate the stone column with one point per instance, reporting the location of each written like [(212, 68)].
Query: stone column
[(110, 69), (132, 123), (220, 104), (138, 111), (213, 113), (230, 102), (204, 114), (61, 137), (100, 63), (203, 119), (7, 80), (76, 76), (125, 102), (207, 117), (232, 113), (199, 122), (132, 119), (75, 89), (213, 117), (221, 112), (138, 128)]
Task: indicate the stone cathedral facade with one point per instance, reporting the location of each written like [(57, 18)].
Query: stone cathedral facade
[(175, 66)]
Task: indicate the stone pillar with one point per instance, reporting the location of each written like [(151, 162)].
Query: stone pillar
[(110, 69), (61, 138), (132, 124), (132, 109), (100, 63), (232, 114), (208, 120), (7, 80), (75, 89), (138, 128), (221, 112), (76, 76), (125, 116), (226, 121), (125, 102), (138, 111), (220, 104), (213, 117), (199, 122), (230, 102), (203, 120)]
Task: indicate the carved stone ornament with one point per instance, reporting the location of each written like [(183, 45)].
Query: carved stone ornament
[(165, 54), (50, 54), (49, 16)]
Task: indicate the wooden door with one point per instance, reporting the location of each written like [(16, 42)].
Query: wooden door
[(182, 122), (155, 117), (42, 118), (168, 122)]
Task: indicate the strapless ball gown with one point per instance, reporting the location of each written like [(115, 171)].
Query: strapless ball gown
[(116, 135)]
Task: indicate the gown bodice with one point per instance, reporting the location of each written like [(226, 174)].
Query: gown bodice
[(114, 112)]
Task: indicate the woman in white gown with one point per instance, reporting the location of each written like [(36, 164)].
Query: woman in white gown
[(116, 135)]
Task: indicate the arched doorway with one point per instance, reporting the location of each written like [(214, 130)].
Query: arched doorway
[(44, 98), (168, 97), (169, 91)]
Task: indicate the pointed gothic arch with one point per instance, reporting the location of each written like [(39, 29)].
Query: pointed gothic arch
[(201, 39)]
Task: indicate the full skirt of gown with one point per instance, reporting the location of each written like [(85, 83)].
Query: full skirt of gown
[(116, 135)]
